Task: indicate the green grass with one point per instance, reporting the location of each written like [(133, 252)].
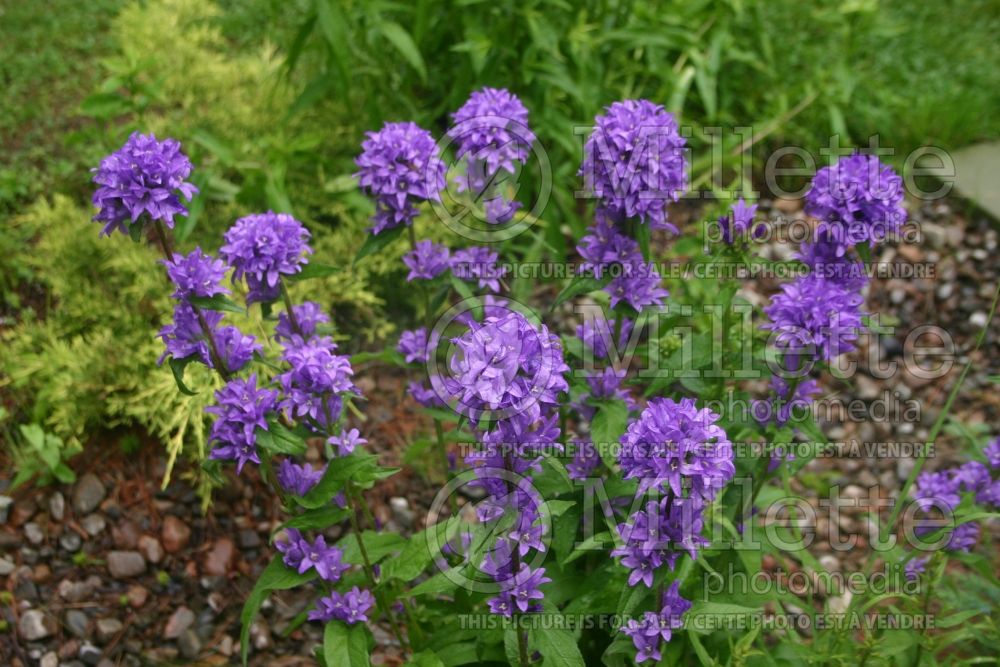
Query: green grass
[(49, 61)]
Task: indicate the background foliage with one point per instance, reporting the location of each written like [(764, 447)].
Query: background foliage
[(271, 98)]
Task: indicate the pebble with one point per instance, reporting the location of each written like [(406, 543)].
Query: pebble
[(830, 563), (87, 494), (189, 644), (50, 659), (75, 591), (6, 566), (249, 539), (978, 319), (179, 621), (150, 548), (124, 564), (137, 596), (219, 558), (77, 622), (34, 533), (93, 524), (90, 654), (70, 541), (68, 650), (23, 511), (125, 535), (260, 634), (107, 628), (175, 534), (401, 511), (36, 624), (57, 506)]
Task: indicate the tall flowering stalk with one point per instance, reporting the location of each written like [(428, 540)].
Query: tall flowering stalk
[(139, 186)]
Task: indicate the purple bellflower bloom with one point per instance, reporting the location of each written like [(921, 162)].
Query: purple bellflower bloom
[(426, 261), (144, 176), (263, 247)]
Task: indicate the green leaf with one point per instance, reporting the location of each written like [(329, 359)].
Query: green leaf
[(275, 577), (439, 584), (425, 659), (377, 545), (582, 284), (376, 242), (345, 645), (407, 48), (314, 270), (177, 367), (557, 646), (135, 230), (279, 439), (217, 302), (607, 426), (354, 467), (317, 519), (64, 474), (104, 105), (333, 25)]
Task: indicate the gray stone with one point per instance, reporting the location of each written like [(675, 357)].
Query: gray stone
[(35, 625), (190, 644), (77, 622), (401, 511), (57, 506), (50, 659), (70, 541), (107, 628), (248, 539), (34, 533), (75, 591), (89, 653), (179, 621), (5, 503), (150, 548), (6, 566), (94, 524), (87, 494), (124, 564)]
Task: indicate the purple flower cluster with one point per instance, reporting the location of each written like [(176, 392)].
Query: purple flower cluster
[(857, 200), (783, 404), (196, 275), (480, 264), (814, 318), (298, 479), (143, 176), (314, 381), (942, 492), (264, 247), (492, 133), (634, 162), (399, 167), (606, 250), (351, 607), (426, 261), (308, 315), (413, 345), (302, 555), (679, 450), (655, 627), (822, 257), (506, 365), (241, 407), (187, 336), (586, 459), (738, 227)]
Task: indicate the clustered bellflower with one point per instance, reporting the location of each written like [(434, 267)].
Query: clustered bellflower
[(491, 130), (654, 628), (143, 177), (426, 261), (942, 492), (241, 407), (857, 200), (634, 162), (399, 168), (605, 249), (507, 373), (263, 248), (195, 334)]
